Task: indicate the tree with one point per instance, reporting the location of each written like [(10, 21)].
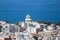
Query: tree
[(6, 21), (45, 22), (17, 23), (58, 23), (48, 23)]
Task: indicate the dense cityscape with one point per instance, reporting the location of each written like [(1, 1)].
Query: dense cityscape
[(29, 30)]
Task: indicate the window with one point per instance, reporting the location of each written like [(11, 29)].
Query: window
[(14, 38), (0, 28), (6, 26)]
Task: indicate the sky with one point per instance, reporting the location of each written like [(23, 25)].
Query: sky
[(16, 10)]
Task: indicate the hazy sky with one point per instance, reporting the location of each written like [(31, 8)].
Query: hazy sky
[(16, 10)]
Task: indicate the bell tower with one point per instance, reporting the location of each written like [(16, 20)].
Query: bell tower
[(28, 19)]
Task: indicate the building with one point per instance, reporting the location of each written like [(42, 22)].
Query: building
[(28, 19), (32, 28)]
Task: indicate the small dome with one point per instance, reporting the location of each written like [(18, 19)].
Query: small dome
[(28, 16)]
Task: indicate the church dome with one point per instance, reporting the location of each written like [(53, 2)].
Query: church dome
[(28, 17)]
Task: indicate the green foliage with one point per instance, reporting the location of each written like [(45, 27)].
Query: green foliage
[(17, 23), (58, 23), (6, 21), (45, 22)]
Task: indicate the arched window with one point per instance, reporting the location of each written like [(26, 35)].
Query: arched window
[(0, 28)]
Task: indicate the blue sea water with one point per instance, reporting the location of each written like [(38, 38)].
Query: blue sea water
[(16, 10)]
